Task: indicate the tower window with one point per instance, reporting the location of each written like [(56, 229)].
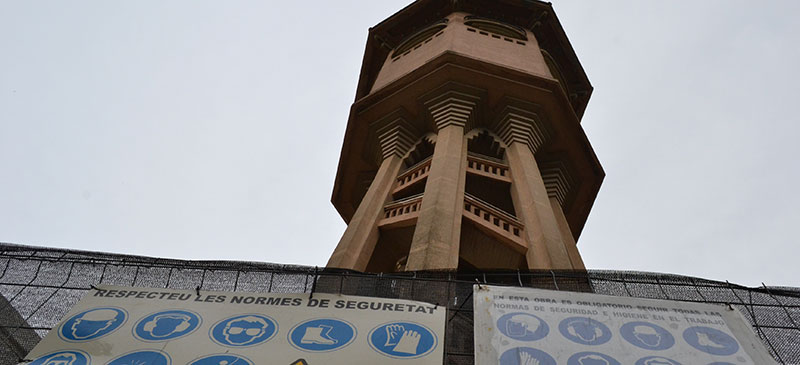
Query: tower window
[(417, 39), (498, 29)]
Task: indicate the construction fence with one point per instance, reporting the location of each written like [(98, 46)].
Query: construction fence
[(39, 285)]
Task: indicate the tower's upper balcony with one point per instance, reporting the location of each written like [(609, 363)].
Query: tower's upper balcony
[(521, 35), (481, 38)]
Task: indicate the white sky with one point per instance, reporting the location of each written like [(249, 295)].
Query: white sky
[(212, 130)]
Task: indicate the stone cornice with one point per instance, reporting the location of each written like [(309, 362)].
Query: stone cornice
[(558, 180), (453, 104), (394, 134), (518, 121)]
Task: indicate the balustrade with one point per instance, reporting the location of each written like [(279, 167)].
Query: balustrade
[(488, 168), (495, 222), (401, 213), (413, 174)]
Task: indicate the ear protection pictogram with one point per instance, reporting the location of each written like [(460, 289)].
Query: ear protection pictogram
[(151, 324)]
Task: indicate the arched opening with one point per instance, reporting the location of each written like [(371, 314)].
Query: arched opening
[(421, 151), (555, 70), (415, 39), (496, 27), (488, 178)]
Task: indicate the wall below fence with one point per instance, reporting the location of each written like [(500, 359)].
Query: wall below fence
[(39, 285)]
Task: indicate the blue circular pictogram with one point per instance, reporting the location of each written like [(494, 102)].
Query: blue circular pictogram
[(711, 341), (142, 357), (523, 326), (592, 358), (647, 335), (403, 340), (243, 330), (220, 359), (66, 357), (166, 325), (92, 324), (584, 330), (322, 335), (656, 360), (526, 356)]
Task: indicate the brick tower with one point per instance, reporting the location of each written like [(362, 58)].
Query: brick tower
[(464, 148)]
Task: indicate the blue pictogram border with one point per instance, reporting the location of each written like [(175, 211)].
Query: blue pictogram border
[(222, 354), (169, 358), (289, 335), (433, 334), (125, 320), (272, 320), (199, 323), (86, 355)]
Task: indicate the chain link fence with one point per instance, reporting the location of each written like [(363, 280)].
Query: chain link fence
[(39, 285)]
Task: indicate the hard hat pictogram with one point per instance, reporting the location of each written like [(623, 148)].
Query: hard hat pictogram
[(92, 324)]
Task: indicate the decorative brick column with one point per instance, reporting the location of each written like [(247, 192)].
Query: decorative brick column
[(436, 238), (524, 133), (395, 137), (558, 182)]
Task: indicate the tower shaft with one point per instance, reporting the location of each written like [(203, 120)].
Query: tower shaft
[(464, 148)]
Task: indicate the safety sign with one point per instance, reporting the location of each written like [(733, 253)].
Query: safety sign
[(154, 357), (92, 324), (121, 326), (243, 330), (322, 335), (403, 340), (166, 325), (523, 326)]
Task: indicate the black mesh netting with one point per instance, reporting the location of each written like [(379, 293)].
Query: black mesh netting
[(39, 285)]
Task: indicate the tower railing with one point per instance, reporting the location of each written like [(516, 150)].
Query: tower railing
[(401, 213), (413, 174), (483, 166), (494, 221)]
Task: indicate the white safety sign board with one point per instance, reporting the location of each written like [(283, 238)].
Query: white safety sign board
[(522, 326), (123, 326)]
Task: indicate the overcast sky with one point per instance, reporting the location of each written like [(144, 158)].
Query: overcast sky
[(212, 129)]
